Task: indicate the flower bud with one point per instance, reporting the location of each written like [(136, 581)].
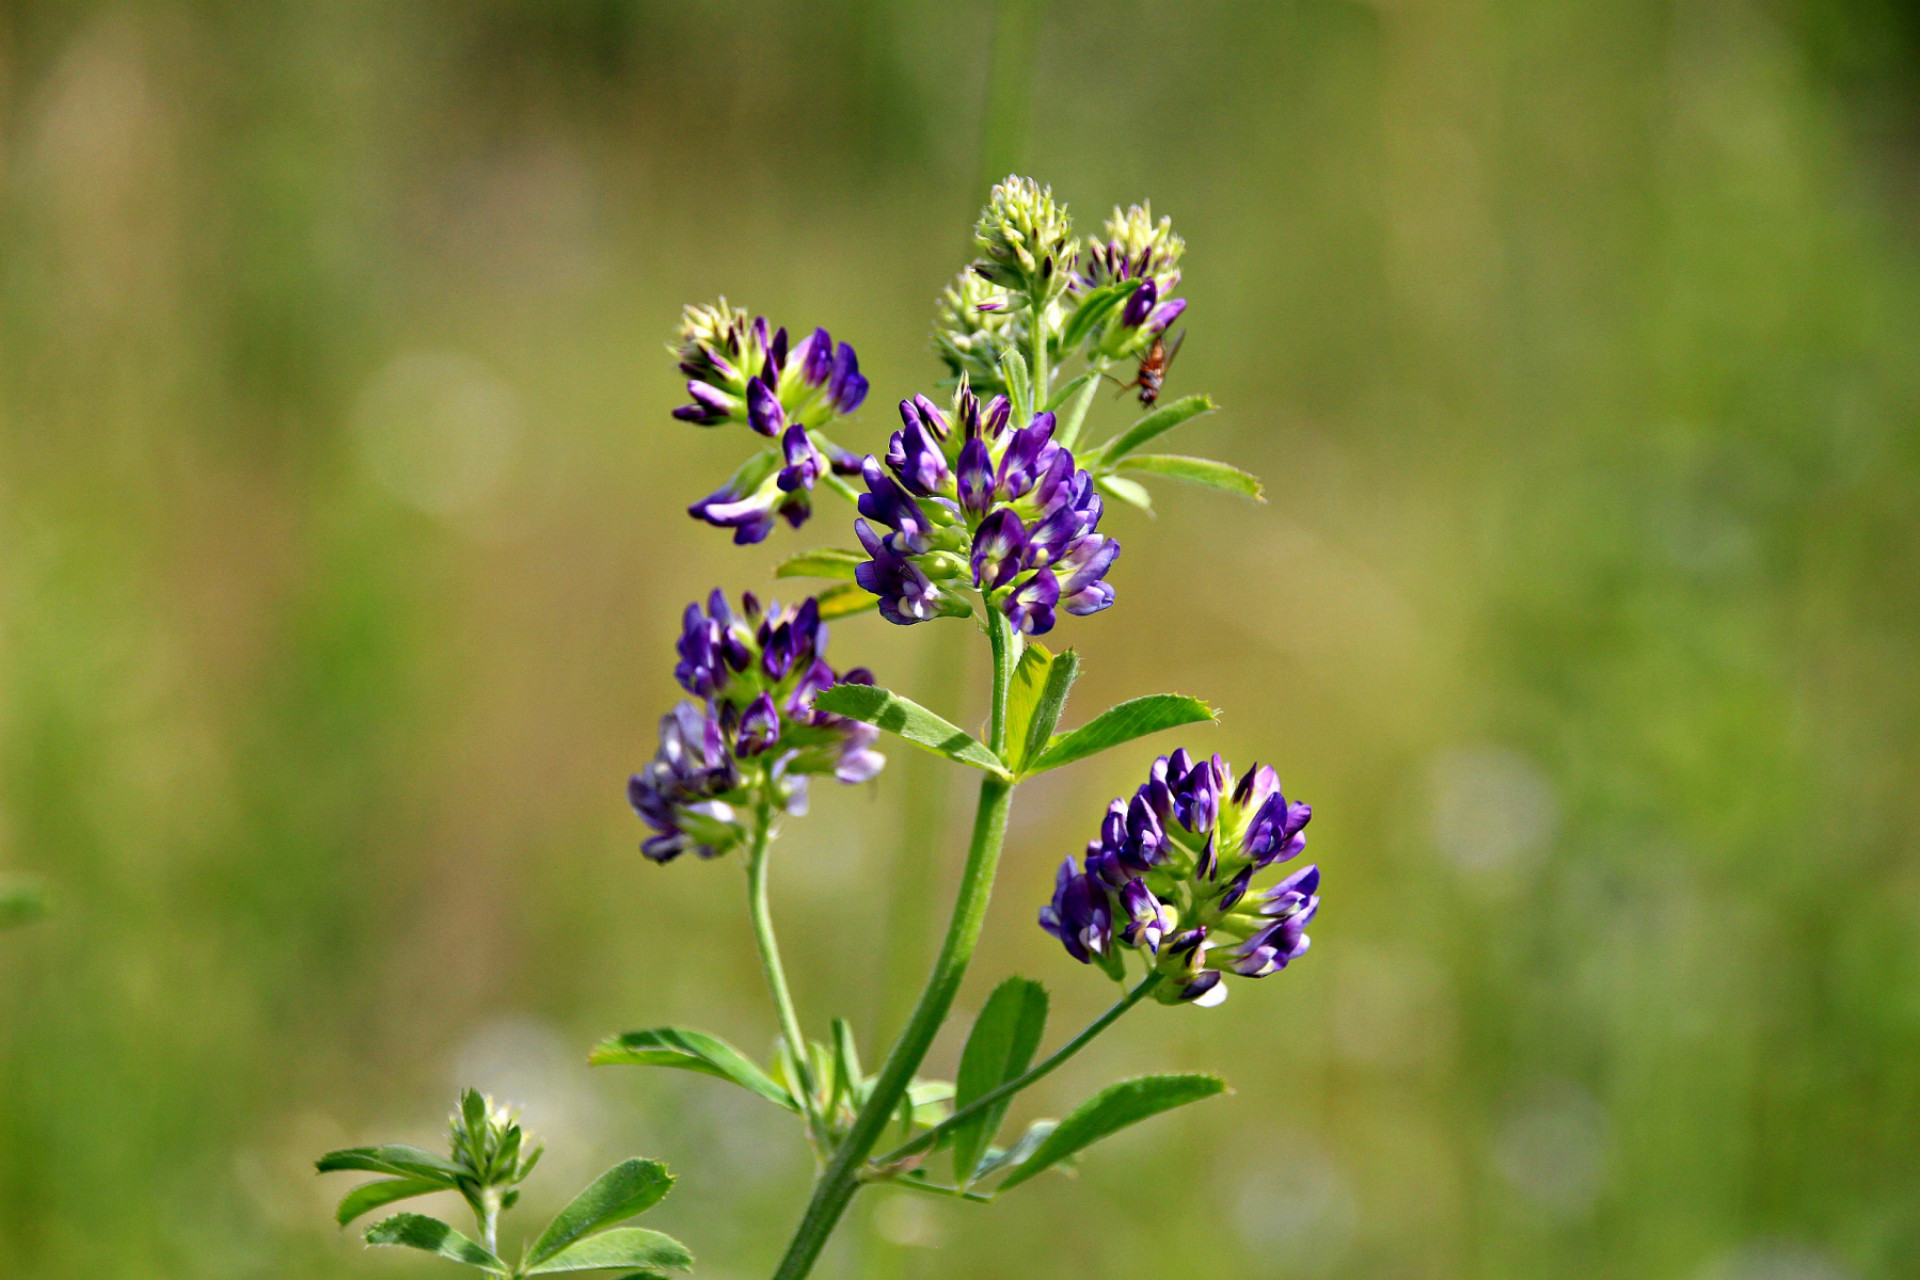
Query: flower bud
[(1025, 241)]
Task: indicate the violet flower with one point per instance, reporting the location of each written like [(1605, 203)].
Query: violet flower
[(739, 372), (1133, 248), (1170, 877), (755, 733), (968, 500)]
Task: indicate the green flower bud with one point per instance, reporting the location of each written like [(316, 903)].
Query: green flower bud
[(1025, 240)]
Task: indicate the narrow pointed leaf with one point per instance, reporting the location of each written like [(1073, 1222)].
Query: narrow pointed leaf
[(1013, 371), (622, 1247), (1053, 700), (430, 1235), (377, 1195), (1067, 432), (821, 562), (999, 1048), (1065, 390), (690, 1051), (844, 599), (846, 1062), (895, 714), (1134, 718), (1097, 306), (1110, 1110), (1131, 492), (629, 1188), (1157, 423), (394, 1158), (1201, 471)]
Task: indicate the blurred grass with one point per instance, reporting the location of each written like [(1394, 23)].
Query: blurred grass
[(1575, 343)]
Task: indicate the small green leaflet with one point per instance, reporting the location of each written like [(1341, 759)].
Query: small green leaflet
[(1000, 1047), (1201, 471), (1095, 307), (629, 1188), (1157, 423), (821, 562), (418, 1231), (1134, 718), (845, 598), (1013, 371), (1070, 422), (690, 1051), (1112, 1109), (393, 1158), (1028, 701), (895, 714), (621, 1247), (1131, 492), (369, 1196)]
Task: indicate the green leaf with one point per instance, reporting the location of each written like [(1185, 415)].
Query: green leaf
[(1201, 471), (376, 1195), (21, 900), (999, 1048), (1128, 491), (846, 1063), (1013, 371), (1053, 700), (394, 1158), (1095, 307), (1112, 1109), (1159, 422), (895, 714), (629, 1188), (996, 1159), (690, 1051), (1067, 429), (1059, 397), (621, 1247), (1023, 694), (430, 1235), (821, 562), (845, 599), (1134, 718)]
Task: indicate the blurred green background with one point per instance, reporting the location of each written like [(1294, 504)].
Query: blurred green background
[(341, 548)]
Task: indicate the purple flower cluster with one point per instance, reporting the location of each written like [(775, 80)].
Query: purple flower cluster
[(968, 499), (753, 735), (739, 372), (1171, 876)]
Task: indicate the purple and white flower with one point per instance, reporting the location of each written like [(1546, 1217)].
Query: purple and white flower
[(1170, 877)]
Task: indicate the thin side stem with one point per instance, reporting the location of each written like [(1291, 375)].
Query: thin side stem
[(775, 972), (1042, 375), (836, 1187), (1031, 1076)]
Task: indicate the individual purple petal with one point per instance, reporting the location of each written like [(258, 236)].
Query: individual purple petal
[(846, 389), (1139, 303), (764, 413), (974, 475)]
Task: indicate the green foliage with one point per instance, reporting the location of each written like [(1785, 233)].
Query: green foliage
[(1131, 492), (1107, 1112), (1201, 471), (1154, 424), (999, 1048), (1035, 698), (1134, 718), (628, 1189), (844, 600), (690, 1050), (821, 562), (430, 1235), (907, 718), (651, 1251)]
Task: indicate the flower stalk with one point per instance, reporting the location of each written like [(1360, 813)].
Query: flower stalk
[(769, 947)]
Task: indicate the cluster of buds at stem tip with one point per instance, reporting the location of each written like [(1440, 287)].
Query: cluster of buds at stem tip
[(970, 500), (1133, 247), (1171, 878), (739, 372), (486, 1140), (1025, 240), (753, 737)]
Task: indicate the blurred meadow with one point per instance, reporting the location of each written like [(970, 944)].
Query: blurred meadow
[(342, 546)]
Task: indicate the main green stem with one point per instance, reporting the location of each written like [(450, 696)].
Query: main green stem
[(776, 974), (1031, 1076), (837, 1184)]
